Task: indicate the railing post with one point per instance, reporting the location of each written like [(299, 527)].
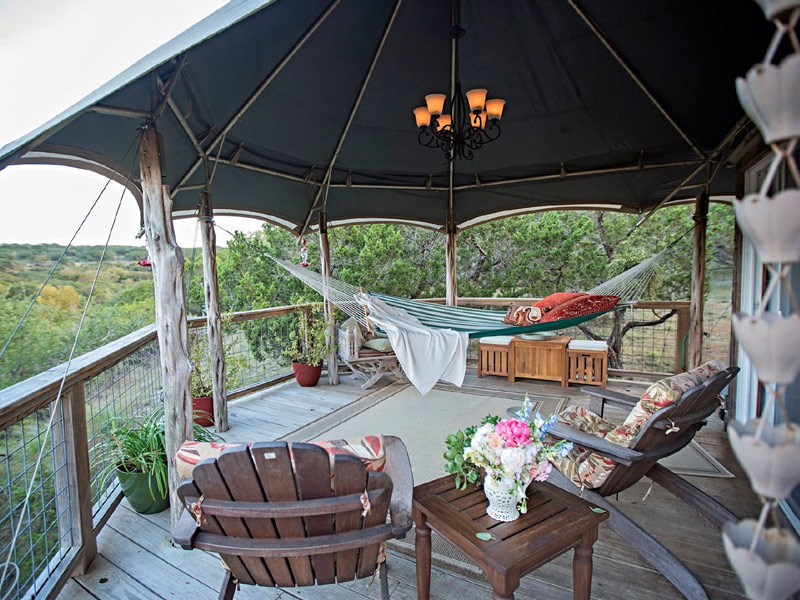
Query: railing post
[(76, 451), (681, 341)]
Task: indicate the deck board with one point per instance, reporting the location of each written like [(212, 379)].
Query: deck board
[(136, 560)]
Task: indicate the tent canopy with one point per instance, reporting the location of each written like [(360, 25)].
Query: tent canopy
[(266, 89)]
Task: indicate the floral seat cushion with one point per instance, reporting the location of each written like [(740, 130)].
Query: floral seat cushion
[(369, 448), (591, 469)]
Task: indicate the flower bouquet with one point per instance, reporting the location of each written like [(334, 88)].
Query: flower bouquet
[(511, 452)]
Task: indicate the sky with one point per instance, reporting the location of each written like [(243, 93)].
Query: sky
[(52, 54)]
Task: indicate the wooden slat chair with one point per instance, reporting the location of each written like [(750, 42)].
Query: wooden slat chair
[(276, 517), (666, 432)]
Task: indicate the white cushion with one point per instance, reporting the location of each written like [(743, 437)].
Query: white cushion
[(497, 340), (588, 345)]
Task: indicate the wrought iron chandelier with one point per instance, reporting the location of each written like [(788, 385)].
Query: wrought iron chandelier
[(462, 130)]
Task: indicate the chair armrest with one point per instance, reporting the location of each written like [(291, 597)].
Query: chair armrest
[(599, 397), (398, 467), (618, 453), (185, 531)]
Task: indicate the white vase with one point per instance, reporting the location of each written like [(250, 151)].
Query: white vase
[(502, 499)]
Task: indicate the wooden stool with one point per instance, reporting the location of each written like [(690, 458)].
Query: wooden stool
[(587, 362), (495, 356)]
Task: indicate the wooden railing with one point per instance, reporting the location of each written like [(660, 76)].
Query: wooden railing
[(123, 379), (70, 503)]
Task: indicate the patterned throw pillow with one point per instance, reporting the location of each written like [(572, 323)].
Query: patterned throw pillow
[(668, 390), (583, 305), (522, 316), (550, 302), (379, 344)]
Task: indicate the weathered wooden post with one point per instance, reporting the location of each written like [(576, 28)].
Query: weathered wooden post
[(452, 261), (698, 281), (216, 349), (173, 343), (325, 257)]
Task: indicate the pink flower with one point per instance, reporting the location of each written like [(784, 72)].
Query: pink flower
[(515, 433), (495, 441), (542, 471)]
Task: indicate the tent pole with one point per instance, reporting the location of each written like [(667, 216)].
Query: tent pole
[(216, 349), (698, 281), (325, 257), (450, 219), (171, 325)]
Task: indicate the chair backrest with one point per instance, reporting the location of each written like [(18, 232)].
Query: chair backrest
[(669, 430), (279, 515)]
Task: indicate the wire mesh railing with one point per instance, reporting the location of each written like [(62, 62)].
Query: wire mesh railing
[(45, 533)]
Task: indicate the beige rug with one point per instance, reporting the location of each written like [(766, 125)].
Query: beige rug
[(423, 422)]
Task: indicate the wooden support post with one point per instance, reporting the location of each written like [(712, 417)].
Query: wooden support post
[(216, 349), (171, 325), (736, 299), (72, 477), (452, 261), (325, 257), (698, 282), (681, 340)]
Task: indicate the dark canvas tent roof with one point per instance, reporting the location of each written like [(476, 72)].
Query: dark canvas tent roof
[(577, 131)]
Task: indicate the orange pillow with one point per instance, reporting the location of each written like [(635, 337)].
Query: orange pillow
[(550, 302), (578, 307)]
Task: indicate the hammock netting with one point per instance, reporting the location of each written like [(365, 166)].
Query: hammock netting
[(628, 285)]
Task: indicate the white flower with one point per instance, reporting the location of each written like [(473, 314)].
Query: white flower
[(512, 459)]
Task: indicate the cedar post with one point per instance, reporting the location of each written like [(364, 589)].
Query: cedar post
[(452, 265), (171, 325), (216, 349), (325, 257), (698, 281)]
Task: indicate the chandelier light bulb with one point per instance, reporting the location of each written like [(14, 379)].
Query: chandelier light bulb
[(435, 103), (494, 108), (422, 116), (476, 99)]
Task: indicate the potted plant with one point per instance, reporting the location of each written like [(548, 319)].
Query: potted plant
[(202, 384), (135, 452), (306, 346)]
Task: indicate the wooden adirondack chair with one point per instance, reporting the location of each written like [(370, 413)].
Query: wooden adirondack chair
[(665, 432), (277, 515)]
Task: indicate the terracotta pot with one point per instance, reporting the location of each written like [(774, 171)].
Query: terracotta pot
[(306, 375), (205, 406)]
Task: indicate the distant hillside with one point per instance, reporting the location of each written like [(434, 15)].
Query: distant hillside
[(123, 302)]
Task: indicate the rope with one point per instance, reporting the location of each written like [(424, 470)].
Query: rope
[(55, 407), (60, 258)]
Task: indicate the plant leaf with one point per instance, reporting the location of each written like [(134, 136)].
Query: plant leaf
[(485, 536), (598, 510)]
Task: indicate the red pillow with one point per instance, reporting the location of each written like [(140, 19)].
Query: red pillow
[(578, 307), (549, 302)]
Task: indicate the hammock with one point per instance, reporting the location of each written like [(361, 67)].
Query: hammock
[(629, 286)]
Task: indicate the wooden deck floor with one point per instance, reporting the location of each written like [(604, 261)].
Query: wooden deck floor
[(136, 560)]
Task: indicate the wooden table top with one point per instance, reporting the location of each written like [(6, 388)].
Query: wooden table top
[(559, 340), (554, 523)]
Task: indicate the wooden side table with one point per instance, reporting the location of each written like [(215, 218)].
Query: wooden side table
[(587, 366), (555, 522), (540, 359), (496, 356)]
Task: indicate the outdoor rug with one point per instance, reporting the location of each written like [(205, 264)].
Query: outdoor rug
[(423, 423)]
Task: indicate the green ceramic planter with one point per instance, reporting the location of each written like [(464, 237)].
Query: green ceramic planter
[(136, 487)]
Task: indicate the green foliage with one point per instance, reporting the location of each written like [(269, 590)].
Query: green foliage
[(138, 446), (457, 443), (202, 383), (306, 342)]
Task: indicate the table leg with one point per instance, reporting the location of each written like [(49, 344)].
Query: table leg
[(582, 566), (422, 547)]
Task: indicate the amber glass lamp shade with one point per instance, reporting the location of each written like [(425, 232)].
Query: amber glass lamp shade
[(476, 99), (435, 103), (443, 121), (494, 108), (422, 116)]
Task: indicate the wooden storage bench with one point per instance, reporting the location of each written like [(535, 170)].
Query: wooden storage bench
[(495, 356), (587, 362)]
